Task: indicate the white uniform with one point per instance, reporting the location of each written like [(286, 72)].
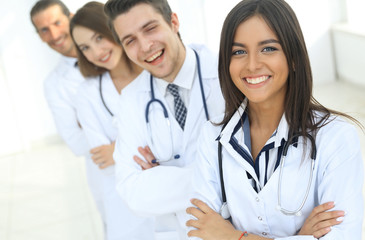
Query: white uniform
[(165, 189), (60, 89), (99, 129), (337, 176)]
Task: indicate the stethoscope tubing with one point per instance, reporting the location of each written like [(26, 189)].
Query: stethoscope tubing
[(165, 112), (298, 211), (101, 95), (224, 208)]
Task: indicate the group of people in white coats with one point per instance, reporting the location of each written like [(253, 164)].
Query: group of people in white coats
[(184, 144)]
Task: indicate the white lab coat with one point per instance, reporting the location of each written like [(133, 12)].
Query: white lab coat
[(338, 176), (99, 129), (60, 90), (165, 189)]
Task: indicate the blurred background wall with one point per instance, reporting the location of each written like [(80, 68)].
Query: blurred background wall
[(334, 32)]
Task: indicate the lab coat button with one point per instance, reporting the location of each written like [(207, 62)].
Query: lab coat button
[(257, 199), (260, 218), (264, 233)]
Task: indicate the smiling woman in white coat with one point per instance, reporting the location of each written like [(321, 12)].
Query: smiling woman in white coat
[(108, 71), (270, 113)]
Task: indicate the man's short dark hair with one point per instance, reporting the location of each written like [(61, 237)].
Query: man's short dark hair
[(114, 8)]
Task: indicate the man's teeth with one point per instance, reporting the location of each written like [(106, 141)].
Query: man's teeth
[(153, 57), (257, 80), (59, 42)]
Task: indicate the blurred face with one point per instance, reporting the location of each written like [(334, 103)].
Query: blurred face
[(53, 28), (259, 68), (96, 48), (150, 42)]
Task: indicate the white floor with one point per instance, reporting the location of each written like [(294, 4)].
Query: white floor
[(44, 195)]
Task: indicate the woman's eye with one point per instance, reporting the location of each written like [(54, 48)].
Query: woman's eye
[(269, 49), (238, 52), (99, 37), (83, 49)]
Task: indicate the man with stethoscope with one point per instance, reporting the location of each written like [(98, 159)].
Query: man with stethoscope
[(179, 81)]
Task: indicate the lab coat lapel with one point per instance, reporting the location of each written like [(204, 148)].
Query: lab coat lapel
[(177, 132), (225, 138), (196, 113)]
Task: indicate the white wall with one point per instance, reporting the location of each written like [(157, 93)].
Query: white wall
[(25, 60), (349, 44), (315, 16)]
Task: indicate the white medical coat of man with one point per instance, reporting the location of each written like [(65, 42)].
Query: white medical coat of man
[(60, 89), (338, 176), (97, 123), (163, 189)]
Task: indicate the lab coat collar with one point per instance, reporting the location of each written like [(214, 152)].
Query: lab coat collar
[(279, 136), (185, 76), (69, 60), (281, 132), (225, 138), (208, 68), (208, 63)]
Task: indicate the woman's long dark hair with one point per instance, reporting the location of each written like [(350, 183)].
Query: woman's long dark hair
[(300, 106)]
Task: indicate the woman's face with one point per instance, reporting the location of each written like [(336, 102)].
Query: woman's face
[(258, 68), (96, 48)]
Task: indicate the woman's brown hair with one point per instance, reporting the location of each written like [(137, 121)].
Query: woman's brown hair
[(91, 16)]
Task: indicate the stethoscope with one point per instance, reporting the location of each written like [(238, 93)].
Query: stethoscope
[(158, 157), (224, 211), (101, 96)]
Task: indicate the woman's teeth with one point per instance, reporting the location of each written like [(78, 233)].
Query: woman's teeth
[(257, 80), (105, 58)]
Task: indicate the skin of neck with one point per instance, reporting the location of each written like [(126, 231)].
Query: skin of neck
[(125, 69), (71, 53), (179, 64), (266, 116)]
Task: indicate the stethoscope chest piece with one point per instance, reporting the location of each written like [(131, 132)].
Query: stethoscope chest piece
[(224, 211)]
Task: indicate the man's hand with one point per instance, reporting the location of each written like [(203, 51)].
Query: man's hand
[(148, 156)]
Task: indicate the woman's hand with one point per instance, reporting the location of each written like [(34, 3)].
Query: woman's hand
[(148, 156), (209, 224), (320, 221), (103, 155)]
